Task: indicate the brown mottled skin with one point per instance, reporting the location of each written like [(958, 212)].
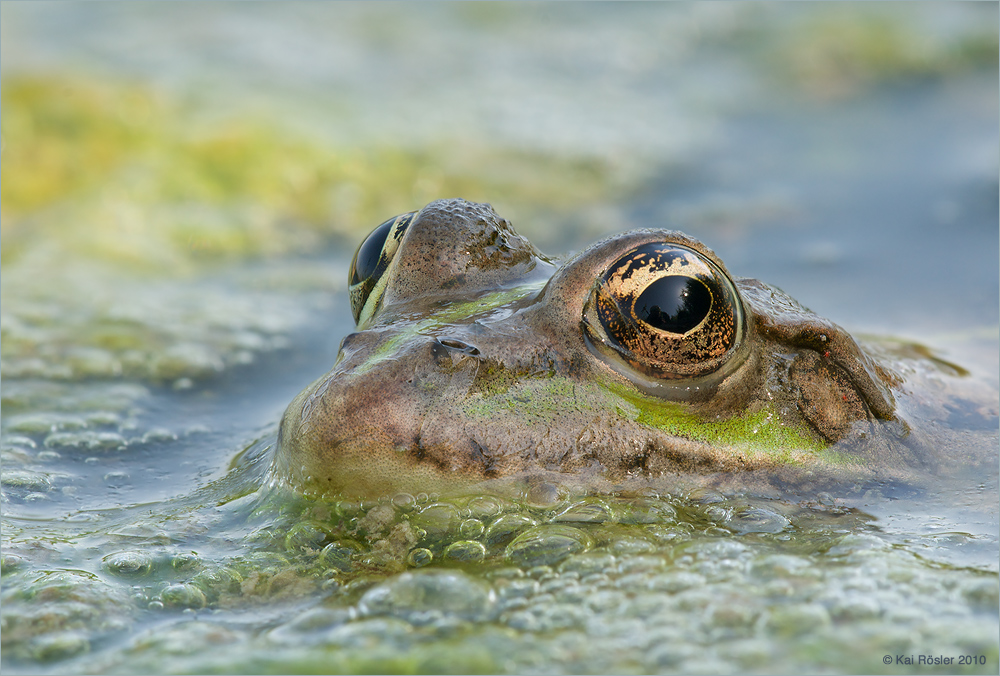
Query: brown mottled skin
[(419, 401)]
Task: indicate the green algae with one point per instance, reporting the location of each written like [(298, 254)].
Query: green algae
[(129, 176), (391, 583), (837, 52), (119, 201)]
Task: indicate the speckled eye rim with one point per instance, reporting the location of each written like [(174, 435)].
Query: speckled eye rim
[(371, 260), (667, 312)]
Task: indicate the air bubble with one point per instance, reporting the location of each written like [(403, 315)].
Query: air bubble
[(465, 550), (183, 596), (129, 563), (419, 557), (546, 545)]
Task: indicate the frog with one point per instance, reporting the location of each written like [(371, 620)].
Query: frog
[(477, 360)]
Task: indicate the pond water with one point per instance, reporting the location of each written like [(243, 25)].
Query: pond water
[(184, 186)]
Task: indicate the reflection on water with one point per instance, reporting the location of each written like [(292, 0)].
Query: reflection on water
[(183, 186)]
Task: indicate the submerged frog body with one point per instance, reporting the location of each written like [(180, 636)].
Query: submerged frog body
[(476, 358)]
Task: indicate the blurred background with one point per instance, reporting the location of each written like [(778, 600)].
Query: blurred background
[(183, 185), (845, 153)]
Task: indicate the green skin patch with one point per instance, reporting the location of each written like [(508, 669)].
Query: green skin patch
[(547, 398), (449, 314), (759, 433)]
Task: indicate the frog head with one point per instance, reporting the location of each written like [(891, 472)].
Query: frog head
[(475, 358)]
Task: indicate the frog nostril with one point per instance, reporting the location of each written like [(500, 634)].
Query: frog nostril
[(459, 346), (449, 353)]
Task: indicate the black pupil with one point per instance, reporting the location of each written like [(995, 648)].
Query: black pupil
[(367, 257), (676, 304)]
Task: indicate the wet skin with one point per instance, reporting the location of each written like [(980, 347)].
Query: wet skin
[(476, 358)]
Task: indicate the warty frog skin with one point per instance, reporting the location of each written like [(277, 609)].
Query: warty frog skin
[(477, 360)]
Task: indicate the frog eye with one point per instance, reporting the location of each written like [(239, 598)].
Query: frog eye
[(667, 311), (372, 259)]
